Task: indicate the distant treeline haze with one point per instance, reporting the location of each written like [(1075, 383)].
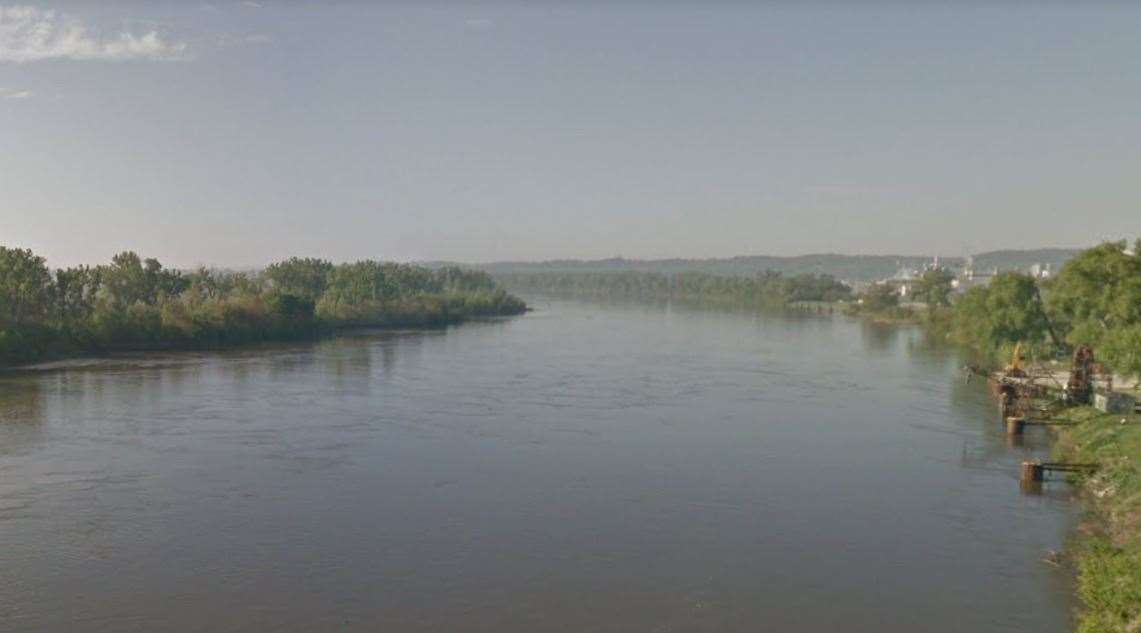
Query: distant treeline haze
[(854, 268), (134, 303), (1094, 299), (768, 288)]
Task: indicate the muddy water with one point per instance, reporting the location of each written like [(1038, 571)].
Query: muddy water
[(586, 467)]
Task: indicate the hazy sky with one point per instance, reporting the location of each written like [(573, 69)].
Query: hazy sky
[(235, 133)]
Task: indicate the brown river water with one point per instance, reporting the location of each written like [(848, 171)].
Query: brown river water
[(586, 467)]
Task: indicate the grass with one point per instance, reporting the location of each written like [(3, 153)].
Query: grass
[(1108, 553)]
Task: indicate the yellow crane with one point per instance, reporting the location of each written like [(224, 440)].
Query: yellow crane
[(1016, 359)]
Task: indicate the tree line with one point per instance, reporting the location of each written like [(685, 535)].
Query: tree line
[(881, 301), (1095, 300), (135, 303), (767, 288)]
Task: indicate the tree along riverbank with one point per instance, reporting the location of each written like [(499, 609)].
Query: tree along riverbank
[(1094, 300), (132, 303)]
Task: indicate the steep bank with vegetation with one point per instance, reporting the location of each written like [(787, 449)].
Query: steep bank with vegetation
[(768, 288), (133, 303)]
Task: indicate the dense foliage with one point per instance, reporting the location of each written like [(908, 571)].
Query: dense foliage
[(934, 288), (1002, 314), (132, 303), (879, 297), (1095, 299), (766, 288)]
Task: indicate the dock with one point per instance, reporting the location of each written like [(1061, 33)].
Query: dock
[(1035, 471), (1015, 425)]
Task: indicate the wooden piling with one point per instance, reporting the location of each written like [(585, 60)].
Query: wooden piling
[(1036, 470), (1032, 471), (1015, 425)]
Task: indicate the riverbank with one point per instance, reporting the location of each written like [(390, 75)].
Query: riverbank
[(443, 312), (136, 304), (1107, 550), (896, 315), (1103, 451)]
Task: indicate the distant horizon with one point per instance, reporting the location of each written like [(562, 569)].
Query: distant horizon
[(762, 255), (555, 260)]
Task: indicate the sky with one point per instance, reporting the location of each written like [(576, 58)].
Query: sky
[(238, 133)]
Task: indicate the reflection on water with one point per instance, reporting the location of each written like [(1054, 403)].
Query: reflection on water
[(878, 337), (21, 415), (603, 467)]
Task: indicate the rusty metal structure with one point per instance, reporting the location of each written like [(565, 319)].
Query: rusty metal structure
[(1079, 388)]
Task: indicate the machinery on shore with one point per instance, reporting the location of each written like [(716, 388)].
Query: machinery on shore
[(1079, 388), (1014, 369)]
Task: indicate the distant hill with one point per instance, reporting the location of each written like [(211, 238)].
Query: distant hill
[(853, 268)]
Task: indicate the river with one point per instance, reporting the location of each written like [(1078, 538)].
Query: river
[(586, 467)]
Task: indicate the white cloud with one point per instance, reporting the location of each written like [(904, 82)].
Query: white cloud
[(15, 94), (258, 38), (29, 34), (252, 5)]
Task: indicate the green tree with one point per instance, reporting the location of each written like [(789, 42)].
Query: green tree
[(996, 317), (361, 282), (879, 297), (1120, 348), (809, 287), (1096, 299), (306, 278), (934, 288), (134, 303), (75, 294), (1097, 291), (129, 280), (25, 287)]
